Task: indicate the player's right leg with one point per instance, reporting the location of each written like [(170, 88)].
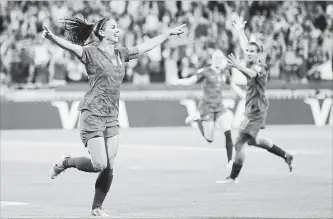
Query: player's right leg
[(205, 122), (91, 138), (208, 127), (268, 144)]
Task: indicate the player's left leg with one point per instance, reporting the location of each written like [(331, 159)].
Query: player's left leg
[(105, 177), (224, 121), (248, 129), (239, 159), (272, 148)]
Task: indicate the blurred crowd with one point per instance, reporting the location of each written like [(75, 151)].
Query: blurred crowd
[(297, 38)]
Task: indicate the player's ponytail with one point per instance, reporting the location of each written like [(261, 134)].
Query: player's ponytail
[(79, 30)]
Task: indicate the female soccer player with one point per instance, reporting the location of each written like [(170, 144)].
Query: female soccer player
[(95, 46), (211, 108), (256, 104)]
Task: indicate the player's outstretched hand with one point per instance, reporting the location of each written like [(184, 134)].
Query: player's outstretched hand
[(177, 30), (47, 34), (239, 23), (233, 61)]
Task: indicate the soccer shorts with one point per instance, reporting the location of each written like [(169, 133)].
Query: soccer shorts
[(92, 126), (252, 124), (210, 114)]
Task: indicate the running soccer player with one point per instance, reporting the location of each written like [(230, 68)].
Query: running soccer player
[(95, 46), (211, 108), (256, 104)]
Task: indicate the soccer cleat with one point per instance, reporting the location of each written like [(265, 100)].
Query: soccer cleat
[(99, 212), (289, 160), (229, 165), (58, 167), (228, 180)]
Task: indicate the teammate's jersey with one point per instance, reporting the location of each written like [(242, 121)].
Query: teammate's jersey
[(106, 73), (212, 85), (256, 101)]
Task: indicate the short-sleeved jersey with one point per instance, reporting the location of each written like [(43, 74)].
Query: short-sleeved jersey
[(256, 101), (105, 75), (212, 86)]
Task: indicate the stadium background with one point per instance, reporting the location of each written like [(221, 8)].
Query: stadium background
[(297, 38), (41, 86)]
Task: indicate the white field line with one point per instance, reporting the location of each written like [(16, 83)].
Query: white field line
[(148, 147), (4, 203)]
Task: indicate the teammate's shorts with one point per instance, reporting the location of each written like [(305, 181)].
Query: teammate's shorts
[(92, 126), (252, 124), (208, 114)]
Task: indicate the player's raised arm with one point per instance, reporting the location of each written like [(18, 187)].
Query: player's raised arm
[(156, 41), (239, 25), (198, 76), (186, 81), (235, 88), (76, 49), (235, 63)]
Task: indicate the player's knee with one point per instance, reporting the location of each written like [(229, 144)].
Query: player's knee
[(252, 142), (111, 163), (99, 165), (209, 137), (238, 147), (209, 140)]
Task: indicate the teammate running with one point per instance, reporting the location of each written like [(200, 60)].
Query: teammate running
[(99, 126), (256, 104), (211, 108)]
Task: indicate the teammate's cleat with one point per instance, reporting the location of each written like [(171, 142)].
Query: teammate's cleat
[(228, 180), (192, 118), (229, 165), (58, 167), (99, 212), (289, 160)]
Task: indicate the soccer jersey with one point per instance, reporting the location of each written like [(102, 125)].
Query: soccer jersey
[(212, 85), (106, 73), (256, 101)]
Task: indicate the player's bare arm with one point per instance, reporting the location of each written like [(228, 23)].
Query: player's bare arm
[(73, 48), (235, 63), (156, 41), (239, 25), (238, 91), (186, 81), (235, 88)]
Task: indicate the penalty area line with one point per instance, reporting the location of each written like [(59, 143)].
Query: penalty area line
[(4, 203)]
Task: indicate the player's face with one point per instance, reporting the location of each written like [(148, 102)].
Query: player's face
[(111, 31), (251, 54)]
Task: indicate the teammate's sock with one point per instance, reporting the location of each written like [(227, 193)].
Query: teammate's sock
[(80, 163), (236, 168), (102, 187), (228, 144), (277, 151)]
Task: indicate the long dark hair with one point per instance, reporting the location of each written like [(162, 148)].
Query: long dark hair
[(78, 30)]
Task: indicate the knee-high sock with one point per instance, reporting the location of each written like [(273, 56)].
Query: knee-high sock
[(102, 187), (228, 144), (80, 163)]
